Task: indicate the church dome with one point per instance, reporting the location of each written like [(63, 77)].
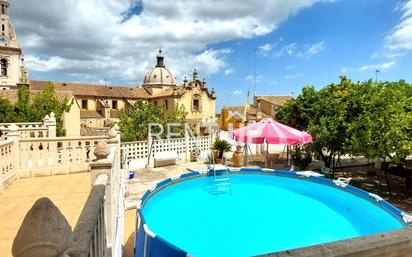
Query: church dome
[(159, 75)]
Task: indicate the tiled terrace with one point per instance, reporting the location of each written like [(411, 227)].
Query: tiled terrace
[(145, 179), (68, 192)]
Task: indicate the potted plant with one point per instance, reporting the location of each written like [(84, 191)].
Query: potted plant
[(218, 147)]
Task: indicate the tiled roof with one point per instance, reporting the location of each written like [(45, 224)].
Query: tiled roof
[(274, 99), (87, 114), (115, 92), (94, 90), (12, 94), (252, 112), (239, 109)]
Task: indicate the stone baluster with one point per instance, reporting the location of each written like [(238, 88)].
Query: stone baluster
[(44, 232), (14, 135), (102, 166)]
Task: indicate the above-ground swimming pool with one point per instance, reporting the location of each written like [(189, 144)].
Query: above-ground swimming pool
[(260, 212)]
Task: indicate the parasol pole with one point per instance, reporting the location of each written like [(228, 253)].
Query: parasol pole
[(287, 154), (246, 152), (245, 119)]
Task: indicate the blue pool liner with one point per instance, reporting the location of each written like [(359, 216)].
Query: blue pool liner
[(147, 244)]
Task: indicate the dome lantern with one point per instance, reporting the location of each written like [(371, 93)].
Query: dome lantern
[(159, 75), (160, 59)]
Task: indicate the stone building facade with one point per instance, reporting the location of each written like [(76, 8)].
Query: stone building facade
[(233, 117), (12, 70), (269, 103), (100, 104)]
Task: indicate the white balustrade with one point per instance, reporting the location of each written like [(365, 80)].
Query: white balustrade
[(202, 143), (56, 155), (7, 168), (27, 130), (169, 145), (135, 150), (139, 150)]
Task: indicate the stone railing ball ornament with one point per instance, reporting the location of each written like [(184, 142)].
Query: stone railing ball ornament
[(101, 151), (44, 232), (112, 133), (52, 117)]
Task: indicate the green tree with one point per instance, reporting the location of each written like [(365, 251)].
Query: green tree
[(46, 102), (22, 107), (178, 116), (36, 108), (323, 114), (363, 118), (6, 111), (134, 121), (384, 129)]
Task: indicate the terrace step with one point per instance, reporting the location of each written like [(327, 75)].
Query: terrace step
[(221, 179), (223, 184)]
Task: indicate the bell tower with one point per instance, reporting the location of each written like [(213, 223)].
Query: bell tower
[(12, 71)]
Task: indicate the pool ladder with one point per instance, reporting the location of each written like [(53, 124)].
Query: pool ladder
[(222, 180)]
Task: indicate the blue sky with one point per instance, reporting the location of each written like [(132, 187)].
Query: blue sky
[(298, 42), (352, 33)]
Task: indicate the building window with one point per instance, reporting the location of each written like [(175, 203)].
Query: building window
[(3, 28), (165, 105), (196, 105), (114, 104), (84, 104), (3, 9), (4, 64)]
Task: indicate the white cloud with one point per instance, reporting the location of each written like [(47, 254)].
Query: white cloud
[(293, 49), (264, 49), (237, 92), (229, 71), (294, 76), (388, 55), (401, 36), (312, 50), (251, 78), (289, 67), (381, 67), (288, 50), (87, 38), (38, 64)]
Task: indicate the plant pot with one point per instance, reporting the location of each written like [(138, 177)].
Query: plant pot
[(219, 161), (215, 154), (238, 157)]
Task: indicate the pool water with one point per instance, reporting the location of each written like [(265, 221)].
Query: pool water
[(262, 214)]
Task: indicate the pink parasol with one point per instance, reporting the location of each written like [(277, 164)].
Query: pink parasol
[(271, 132)]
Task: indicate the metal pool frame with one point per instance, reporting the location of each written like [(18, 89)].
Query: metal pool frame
[(148, 244)]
